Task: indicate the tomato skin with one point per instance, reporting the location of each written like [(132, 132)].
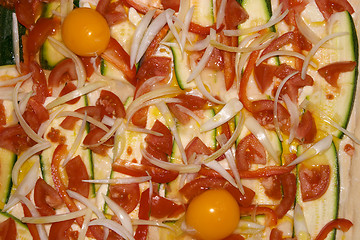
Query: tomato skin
[(234, 237), (43, 28), (196, 146), (111, 104), (162, 207), (113, 12), (94, 137), (35, 114), (264, 74), (26, 11), (314, 182), (306, 130), (329, 7), (272, 186), (249, 150), (126, 196), (144, 213), (63, 72), (288, 182), (46, 198), (332, 71), (116, 55), (340, 223), (8, 229), (229, 59), (88, 64), (76, 172), (32, 227), (235, 14), (92, 111), (173, 4), (158, 175), (2, 113)]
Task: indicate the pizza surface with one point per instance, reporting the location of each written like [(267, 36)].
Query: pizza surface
[(181, 119)]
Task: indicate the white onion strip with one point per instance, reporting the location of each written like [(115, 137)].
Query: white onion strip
[(155, 26), (294, 116), (300, 226), (80, 70), (120, 213), (319, 147), (201, 87), (77, 141), (172, 125), (151, 82), (116, 227), (283, 53), (185, 29), (13, 81), (85, 225), (26, 185), (23, 103), (16, 44), (181, 168), (118, 122), (22, 121), (202, 63), (229, 154), (221, 14), (144, 130), (150, 223), (272, 21), (228, 144), (277, 94), (305, 30), (86, 202), (25, 156), (127, 180), (188, 112), (259, 132), (231, 108), (76, 93), (199, 45), (81, 116), (173, 30), (215, 165), (119, 142), (55, 218), (138, 35), (315, 48), (34, 212)]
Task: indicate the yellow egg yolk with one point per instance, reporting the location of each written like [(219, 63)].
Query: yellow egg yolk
[(214, 214), (85, 32)]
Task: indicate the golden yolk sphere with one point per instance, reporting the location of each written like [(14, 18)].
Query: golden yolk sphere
[(214, 214), (85, 32)]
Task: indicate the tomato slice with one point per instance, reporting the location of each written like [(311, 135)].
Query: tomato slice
[(288, 182), (161, 143), (111, 104), (157, 174), (8, 229), (113, 12), (63, 72), (2, 113), (314, 181), (249, 150), (198, 147), (164, 208), (15, 139), (94, 137), (340, 223), (270, 215), (116, 55), (126, 196), (43, 28), (229, 59), (144, 213), (264, 74), (294, 6), (35, 114), (234, 237), (329, 7), (77, 172), (39, 83), (199, 185), (332, 71), (46, 198), (32, 227), (88, 64), (173, 4), (59, 230), (235, 14), (92, 111), (272, 186), (276, 234), (306, 130)]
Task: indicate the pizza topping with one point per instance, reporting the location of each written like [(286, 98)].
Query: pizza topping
[(339, 223), (332, 71), (62, 73), (329, 7), (8, 229), (46, 198), (288, 182), (314, 181)]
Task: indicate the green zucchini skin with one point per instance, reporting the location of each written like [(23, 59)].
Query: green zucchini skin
[(7, 56)]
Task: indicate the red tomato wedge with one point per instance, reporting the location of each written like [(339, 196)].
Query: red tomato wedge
[(161, 143), (196, 146), (329, 7), (173, 4), (340, 223), (235, 14), (272, 186), (126, 196), (92, 111), (116, 55), (76, 172), (288, 182), (113, 12), (8, 229), (314, 181), (46, 198), (2, 113), (264, 74), (32, 227), (248, 151), (111, 104), (15, 139), (276, 234), (59, 230), (69, 87), (63, 72), (332, 71), (306, 130), (162, 207), (39, 83)]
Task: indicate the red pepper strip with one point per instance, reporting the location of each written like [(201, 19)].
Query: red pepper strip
[(245, 79), (288, 182), (340, 223), (276, 234), (270, 215), (59, 154), (258, 173), (32, 227), (144, 213), (156, 42)]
